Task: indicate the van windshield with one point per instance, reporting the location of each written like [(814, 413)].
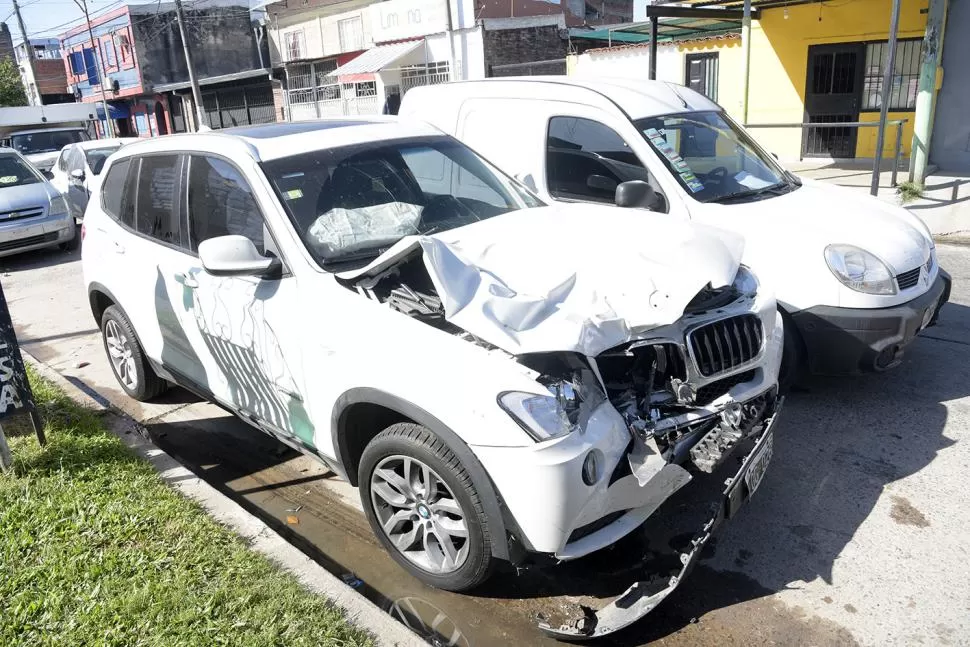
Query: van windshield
[(353, 202), (46, 141), (713, 158)]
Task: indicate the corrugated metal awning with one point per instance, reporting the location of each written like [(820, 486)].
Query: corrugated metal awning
[(377, 58)]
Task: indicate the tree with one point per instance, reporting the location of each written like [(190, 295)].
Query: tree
[(11, 87)]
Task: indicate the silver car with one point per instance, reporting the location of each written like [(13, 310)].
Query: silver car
[(33, 215)]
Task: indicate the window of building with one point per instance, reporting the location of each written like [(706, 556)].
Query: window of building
[(124, 47), (295, 45), (701, 74), (413, 76), (905, 79), (76, 60), (351, 33), (221, 203), (587, 160), (90, 66), (110, 59), (156, 211)]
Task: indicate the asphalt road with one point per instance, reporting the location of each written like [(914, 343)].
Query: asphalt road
[(857, 535)]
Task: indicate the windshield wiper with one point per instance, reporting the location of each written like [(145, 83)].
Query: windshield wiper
[(778, 188)]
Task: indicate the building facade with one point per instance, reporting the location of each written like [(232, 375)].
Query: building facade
[(46, 80), (137, 55), (338, 60)]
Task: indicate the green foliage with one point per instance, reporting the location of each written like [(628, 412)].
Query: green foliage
[(11, 87), (909, 191), (97, 549)]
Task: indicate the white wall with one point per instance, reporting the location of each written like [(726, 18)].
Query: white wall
[(631, 62)]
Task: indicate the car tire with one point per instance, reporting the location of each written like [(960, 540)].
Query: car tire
[(127, 359), (419, 519)]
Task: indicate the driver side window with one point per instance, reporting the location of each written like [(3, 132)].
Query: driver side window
[(587, 160)]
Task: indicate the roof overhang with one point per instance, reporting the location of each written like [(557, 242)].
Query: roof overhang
[(376, 59), (213, 80)]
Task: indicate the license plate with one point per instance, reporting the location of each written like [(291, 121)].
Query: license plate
[(758, 466)]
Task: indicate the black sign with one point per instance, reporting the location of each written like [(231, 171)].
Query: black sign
[(15, 394)]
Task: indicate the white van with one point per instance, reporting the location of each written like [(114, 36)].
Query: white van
[(857, 277)]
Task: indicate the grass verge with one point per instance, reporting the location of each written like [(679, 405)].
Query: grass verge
[(96, 549)]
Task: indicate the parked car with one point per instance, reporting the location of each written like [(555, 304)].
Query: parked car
[(498, 377), (856, 279), (33, 215), (76, 171)]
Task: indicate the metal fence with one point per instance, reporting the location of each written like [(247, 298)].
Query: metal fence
[(532, 68), (841, 130), (239, 106)]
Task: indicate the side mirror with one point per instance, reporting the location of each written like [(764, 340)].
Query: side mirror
[(601, 183), (234, 255), (637, 194), (77, 175)]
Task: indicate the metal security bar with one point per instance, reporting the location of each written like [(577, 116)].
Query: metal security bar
[(898, 123)]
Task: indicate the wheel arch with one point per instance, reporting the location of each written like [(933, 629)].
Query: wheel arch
[(362, 413), (100, 298)]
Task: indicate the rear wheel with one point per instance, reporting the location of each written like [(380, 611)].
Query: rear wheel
[(424, 508), (127, 359)]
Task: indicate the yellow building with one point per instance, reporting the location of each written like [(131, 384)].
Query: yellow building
[(810, 62)]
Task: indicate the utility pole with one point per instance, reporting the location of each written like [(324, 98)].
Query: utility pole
[(99, 63), (30, 53), (746, 50), (196, 93), (929, 87), (887, 82)]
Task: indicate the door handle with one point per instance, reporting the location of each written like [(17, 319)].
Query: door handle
[(187, 280)]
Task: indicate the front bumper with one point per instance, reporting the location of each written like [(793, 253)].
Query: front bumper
[(851, 340), (644, 596), (35, 233)]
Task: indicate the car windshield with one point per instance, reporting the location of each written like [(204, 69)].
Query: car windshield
[(46, 141), (97, 156), (16, 172), (713, 158), (353, 202)]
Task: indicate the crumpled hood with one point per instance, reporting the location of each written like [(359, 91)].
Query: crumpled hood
[(817, 215), (569, 277)]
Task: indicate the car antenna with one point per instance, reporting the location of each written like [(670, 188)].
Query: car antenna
[(673, 89)]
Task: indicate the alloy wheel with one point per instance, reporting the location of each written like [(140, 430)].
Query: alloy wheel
[(419, 514), (119, 352)]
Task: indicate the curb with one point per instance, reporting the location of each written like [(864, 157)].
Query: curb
[(261, 538)]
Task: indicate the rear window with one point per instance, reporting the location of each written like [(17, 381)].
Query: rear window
[(15, 172), (155, 211), (113, 191), (46, 141), (98, 156)]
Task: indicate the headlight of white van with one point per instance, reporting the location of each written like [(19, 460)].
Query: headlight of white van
[(58, 207), (859, 270)]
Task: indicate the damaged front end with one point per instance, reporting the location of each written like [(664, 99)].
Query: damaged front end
[(628, 399)]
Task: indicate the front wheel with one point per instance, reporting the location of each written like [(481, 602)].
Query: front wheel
[(424, 508)]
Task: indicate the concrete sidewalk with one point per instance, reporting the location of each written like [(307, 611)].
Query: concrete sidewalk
[(944, 207)]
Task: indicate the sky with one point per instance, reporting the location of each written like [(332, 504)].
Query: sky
[(48, 18)]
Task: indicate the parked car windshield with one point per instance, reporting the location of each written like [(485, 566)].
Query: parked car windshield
[(96, 157), (354, 202), (14, 171), (713, 158), (47, 141)]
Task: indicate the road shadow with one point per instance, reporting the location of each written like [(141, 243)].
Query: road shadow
[(838, 444), (38, 259)]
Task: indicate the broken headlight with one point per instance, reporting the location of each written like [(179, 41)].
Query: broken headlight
[(545, 417)]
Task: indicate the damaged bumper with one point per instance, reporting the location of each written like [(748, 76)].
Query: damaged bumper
[(644, 596)]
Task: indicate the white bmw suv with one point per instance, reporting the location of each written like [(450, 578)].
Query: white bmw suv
[(498, 377)]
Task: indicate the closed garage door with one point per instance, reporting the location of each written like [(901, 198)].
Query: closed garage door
[(950, 148)]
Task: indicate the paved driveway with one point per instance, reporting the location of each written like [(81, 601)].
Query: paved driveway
[(859, 532)]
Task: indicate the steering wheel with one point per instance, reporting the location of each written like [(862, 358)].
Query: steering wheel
[(717, 174), (443, 208)]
